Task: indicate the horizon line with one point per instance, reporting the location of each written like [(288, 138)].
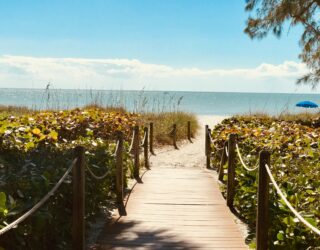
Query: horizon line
[(145, 90)]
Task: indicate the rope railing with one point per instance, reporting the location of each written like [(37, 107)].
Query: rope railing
[(223, 161), (211, 139), (231, 147), (93, 175), (283, 197), (132, 142), (209, 145), (116, 149), (96, 176), (39, 203), (226, 149), (242, 162), (78, 181), (144, 139)]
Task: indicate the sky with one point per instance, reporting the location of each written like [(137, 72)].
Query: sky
[(188, 45)]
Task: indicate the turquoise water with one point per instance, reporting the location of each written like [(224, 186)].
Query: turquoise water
[(203, 103)]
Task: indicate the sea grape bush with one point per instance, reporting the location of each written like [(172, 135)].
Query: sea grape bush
[(295, 164), (35, 151)]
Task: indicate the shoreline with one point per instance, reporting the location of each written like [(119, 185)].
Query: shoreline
[(161, 91)]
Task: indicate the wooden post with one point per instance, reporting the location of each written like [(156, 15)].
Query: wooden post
[(174, 136), (189, 131), (207, 146), (136, 153), (146, 150), (223, 161), (119, 174), (209, 150), (206, 139), (78, 207), (151, 139), (263, 200), (231, 170)]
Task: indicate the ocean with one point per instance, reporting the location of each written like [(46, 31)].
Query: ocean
[(202, 103)]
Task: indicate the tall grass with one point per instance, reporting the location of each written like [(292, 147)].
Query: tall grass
[(134, 101), (14, 110), (163, 125), (162, 109)]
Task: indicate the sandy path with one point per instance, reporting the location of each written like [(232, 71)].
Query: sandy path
[(189, 154)]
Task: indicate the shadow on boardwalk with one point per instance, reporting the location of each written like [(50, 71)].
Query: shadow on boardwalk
[(131, 235)]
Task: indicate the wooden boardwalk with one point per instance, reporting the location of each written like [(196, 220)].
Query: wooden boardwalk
[(178, 206), (175, 208)]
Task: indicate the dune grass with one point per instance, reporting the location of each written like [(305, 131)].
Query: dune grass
[(164, 121), (14, 110)]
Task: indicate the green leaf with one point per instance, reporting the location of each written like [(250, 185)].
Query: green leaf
[(54, 135), (3, 200), (29, 145), (311, 221), (280, 235)]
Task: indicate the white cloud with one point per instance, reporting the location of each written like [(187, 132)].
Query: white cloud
[(21, 71)]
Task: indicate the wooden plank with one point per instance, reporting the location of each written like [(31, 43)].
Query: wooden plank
[(175, 209)]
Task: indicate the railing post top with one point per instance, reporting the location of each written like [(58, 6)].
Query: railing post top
[(264, 154), (79, 150), (232, 136), (151, 123), (145, 129), (119, 134), (174, 125)]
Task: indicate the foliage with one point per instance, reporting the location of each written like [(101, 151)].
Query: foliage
[(271, 15), (295, 165), (36, 148), (35, 151)]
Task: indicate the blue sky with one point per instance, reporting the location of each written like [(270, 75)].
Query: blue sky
[(199, 44)]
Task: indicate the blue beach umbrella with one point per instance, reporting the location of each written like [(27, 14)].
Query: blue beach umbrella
[(307, 104)]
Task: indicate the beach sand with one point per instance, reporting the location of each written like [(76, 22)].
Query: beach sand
[(189, 154)]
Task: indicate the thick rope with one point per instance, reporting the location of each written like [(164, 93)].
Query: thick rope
[(211, 140), (144, 139), (132, 141), (95, 176), (242, 162), (295, 212), (212, 143), (40, 203), (227, 152), (116, 150)]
